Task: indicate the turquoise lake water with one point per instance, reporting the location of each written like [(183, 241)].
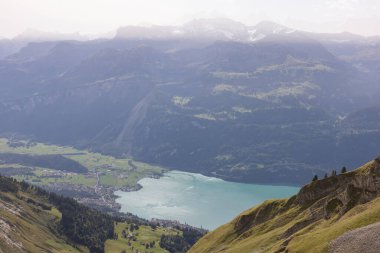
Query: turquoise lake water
[(196, 199)]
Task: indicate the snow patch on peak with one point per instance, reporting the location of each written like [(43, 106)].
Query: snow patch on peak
[(254, 36)]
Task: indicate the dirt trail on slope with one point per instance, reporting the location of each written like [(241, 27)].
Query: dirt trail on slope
[(365, 239)]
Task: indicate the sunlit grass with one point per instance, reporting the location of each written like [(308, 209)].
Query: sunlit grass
[(145, 234)]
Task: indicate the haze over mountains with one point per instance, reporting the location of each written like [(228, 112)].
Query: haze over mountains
[(199, 29), (260, 103)]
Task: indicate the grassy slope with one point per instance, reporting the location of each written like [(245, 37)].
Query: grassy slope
[(31, 226), (145, 234), (266, 237)]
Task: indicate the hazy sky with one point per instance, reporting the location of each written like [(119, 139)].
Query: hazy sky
[(99, 16)]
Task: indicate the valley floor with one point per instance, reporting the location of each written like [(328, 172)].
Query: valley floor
[(105, 174)]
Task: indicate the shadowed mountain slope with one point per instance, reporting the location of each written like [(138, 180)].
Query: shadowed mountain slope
[(222, 104)]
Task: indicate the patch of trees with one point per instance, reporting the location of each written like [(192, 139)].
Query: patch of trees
[(8, 185), (174, 243), (130, 219), (192, 235), (150, 245), (82, 224), (133, 227), (180, 244), (12, 171), (37, 203), (56, 162), (333, 174)]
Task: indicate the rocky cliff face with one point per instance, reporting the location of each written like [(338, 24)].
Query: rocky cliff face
[(341, 193)]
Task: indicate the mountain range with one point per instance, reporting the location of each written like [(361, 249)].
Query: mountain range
[(263, 103)]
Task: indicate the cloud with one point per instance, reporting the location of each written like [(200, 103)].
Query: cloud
[(92, 16), (365, 26), (346, 5)]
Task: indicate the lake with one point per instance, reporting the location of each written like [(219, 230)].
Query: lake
[(196, 199)]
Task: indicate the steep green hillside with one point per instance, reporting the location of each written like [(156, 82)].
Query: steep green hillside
[(29, 222), (34, 219), (322, 211)]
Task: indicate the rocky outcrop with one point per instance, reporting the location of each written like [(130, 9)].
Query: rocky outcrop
[(322, 199), (261, 214), (338, 194)]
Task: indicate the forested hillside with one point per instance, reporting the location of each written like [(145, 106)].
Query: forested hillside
[(262, 105)]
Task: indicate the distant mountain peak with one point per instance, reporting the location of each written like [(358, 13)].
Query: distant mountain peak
[(270, 27), (230, 30), (267, 28), (211, 29), (37, 35)]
